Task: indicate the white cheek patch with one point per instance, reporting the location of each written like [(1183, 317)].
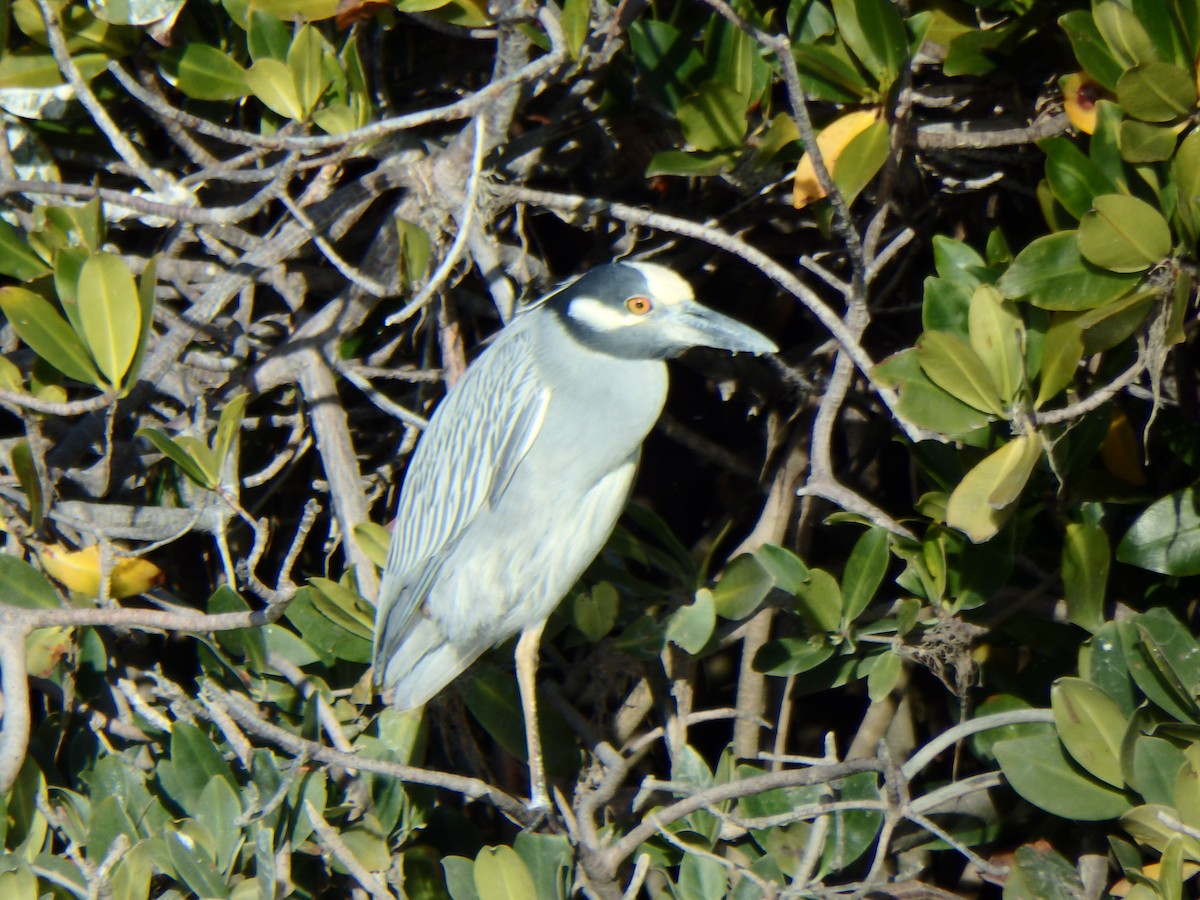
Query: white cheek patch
[(599, 316), (666, 286)]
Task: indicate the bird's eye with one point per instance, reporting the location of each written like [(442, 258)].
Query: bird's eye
[(639, 306)]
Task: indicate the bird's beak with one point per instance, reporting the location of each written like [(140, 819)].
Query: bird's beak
[(698, 326)]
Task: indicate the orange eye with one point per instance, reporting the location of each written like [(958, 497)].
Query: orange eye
[(639, 306)]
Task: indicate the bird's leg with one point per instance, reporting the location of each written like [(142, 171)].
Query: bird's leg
[(528, 647)]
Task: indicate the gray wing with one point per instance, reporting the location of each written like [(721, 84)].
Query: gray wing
[(465, 459)]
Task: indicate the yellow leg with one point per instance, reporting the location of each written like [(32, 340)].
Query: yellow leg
[(528, 647)]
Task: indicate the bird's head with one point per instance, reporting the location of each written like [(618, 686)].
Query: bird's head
[(641, 310)]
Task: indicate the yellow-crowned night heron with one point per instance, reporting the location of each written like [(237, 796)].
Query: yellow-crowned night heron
[(520, 477)]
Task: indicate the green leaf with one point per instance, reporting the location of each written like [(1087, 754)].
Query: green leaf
[(193, 763), (110, 314), (594, 613), (922, 402), (701, 878), (791, 656), (1123, 234), (1146, 827), (548, 857), (1185, 173), (983, 500), (182, 456), (1143, 143), (875, 33), (786, 569), (17, 260), (743, 586), (690, 627), (460, 877), (1074, 178), (1164, 662), (819, 601), (205, 73), (689, 164), (194, 865), (1165, 538), (1051, 273), (1091, 727), (344, 607), (271, 82), (829, 76), (575, 16), (1156, 92), (1090, 49), (1061, 355), (228, 426), (884, 675), (415, 251), (108, 822), (1038, 769), (147, 284), (1123, 33), (306, 58), (303, 10), (862, 159), (216, 810), (1041, 872), (267, 37), (996, 332), (713, 117), (954, 366), (323, 636), (1085, 562), (25, 586), (40, 326), (1155, 768), (864, 572), (31, 484), (670, 66)]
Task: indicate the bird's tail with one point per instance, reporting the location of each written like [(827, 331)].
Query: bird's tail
[(423, 664)]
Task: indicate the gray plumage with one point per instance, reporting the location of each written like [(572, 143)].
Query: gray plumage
[(526, 465)]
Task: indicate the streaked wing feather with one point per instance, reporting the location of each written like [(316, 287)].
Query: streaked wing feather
[(466, 458)]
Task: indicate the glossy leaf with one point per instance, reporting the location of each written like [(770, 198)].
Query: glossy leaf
[(664, 55), (40, 326), (25, 586), (832, 142), (874, 30), (713, 118), (996, 335), (1051, 273), (1123, 234), (1090, 48), (1038, 769), (110, 314), (302, 10), (884, 675), (983, 500), (1075, 179), (344, 607), (271, 82), (743, 586), (1123, 33), (1061, 355), (1156, 92), (952, 364), (1091, 727), (194, 468), (864, 572), (786, 569), (31, 484), (17, 260), (922, 402), (205, 73), (306, 59), (1039, 871), (193, 763), (1085, 563), (1142, 142), (1166, 536), (863, 158)]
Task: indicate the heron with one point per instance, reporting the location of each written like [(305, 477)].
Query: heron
[(519, 479)]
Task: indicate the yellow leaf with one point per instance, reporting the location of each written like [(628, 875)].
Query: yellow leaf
[(79, 571), (831, 142), (983, 500), (1119, 452), (1080, 94)]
